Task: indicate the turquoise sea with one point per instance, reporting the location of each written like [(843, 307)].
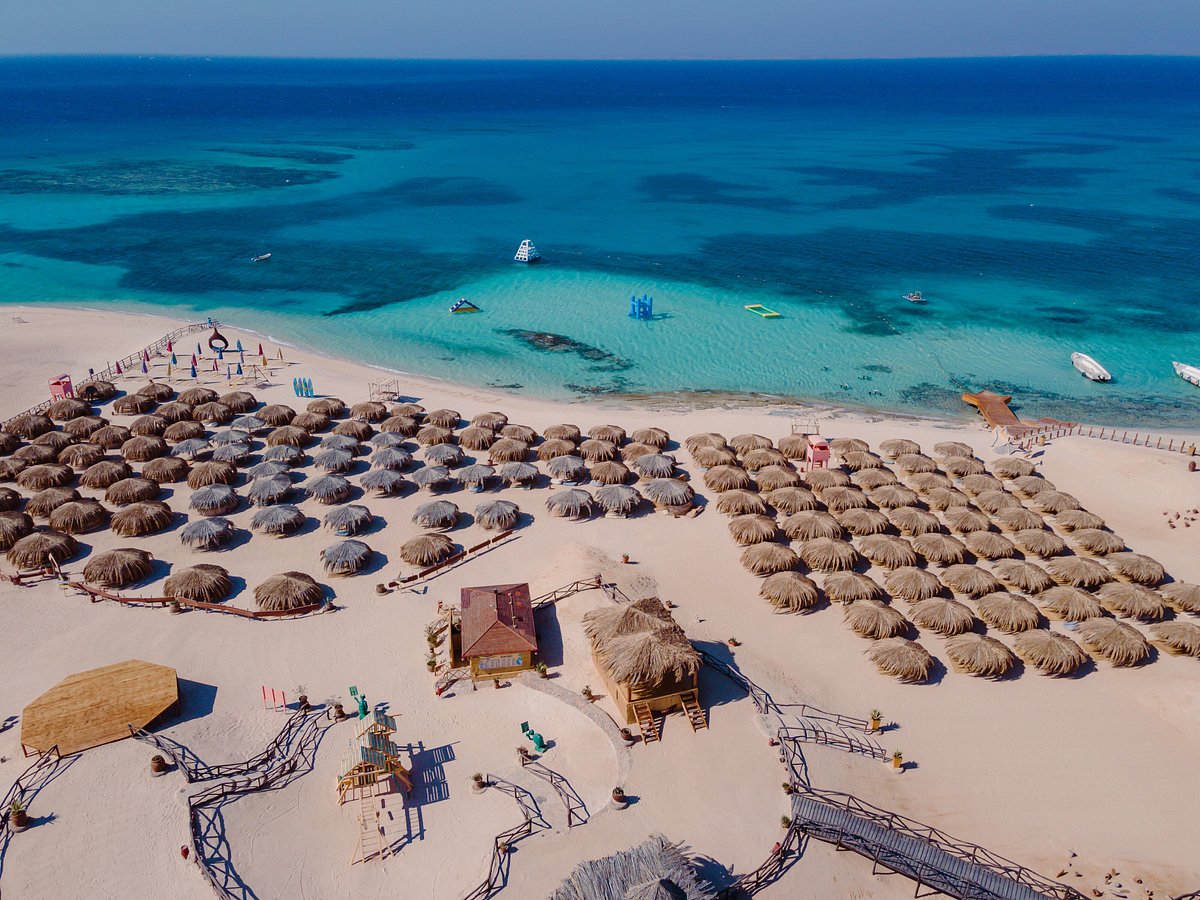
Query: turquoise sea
[(1042, 205)]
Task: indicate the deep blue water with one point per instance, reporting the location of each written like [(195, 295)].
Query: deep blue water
[(1044, 205)]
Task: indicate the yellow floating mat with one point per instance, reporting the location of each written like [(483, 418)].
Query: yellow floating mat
[(759, 310)]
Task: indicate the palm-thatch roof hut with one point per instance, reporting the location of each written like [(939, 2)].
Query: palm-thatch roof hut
[(562, 432), (912, 584), (619, 500), (788, 500), (232, 453), (476, 437), (118, 568), (333, 460), (863, 522), (367, 411), (328, 489), (727, 478), (901, 658), (1097, 541), (214, 500), (131, 490), (382, 482), (312, 422), (893, 496), (1120, 644), (597, 451), (81, 428), (268, 490), (947, 499), (653, 465), (202, 583), (1181, 596), (41, 504), (40, 477), (1077, 519), (890, 552), (426, 549), (943, 616), (151, 425), (774, 478), (1039, 542), (1054, 502), (34, 454), (989, 545), (762, 458), (709, 457), (183, 431), (753, 529), (838, 499), (809, 525), (970, 580), (345, 557), (575, 503), (497, 515), (140, 519), (213, 413), (104, 473), (828, 554), (41, 549), (391, 458), (348, 520), (288, 591), (1013, 467), (353, 428), (870, 479), (437, 515), (823, 479), (278, 520), (289, 436), (872, 619), (669, 494), (80, 456), (566, 468), (707, 439), (741, 503), (212, 472), (1137, 568), (980, 655), (14, 526), (1079, 571), (1018, 518), (207, 534), (790, 592), (1070, 603), (1008, 612), (1024, 576), (611, 472), (327, 406), (995, 501), (769, 558), (133, 404), (95, 389), (913, 521), (953, 449), (547, 451), (1053, 654), (847, 587), (508, 450), (939, 548), (966, 519), (1129, 600), (979, 484), (916, 464), (1179, 637), (518, 473)]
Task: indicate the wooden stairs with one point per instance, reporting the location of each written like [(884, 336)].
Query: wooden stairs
[(645, 720), (371, 842), (691, 708)]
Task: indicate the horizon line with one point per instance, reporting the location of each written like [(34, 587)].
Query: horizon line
[(587, 59)]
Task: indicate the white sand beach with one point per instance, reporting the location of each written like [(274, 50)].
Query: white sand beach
[(1080, 775)]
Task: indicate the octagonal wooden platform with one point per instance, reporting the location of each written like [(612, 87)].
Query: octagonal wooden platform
[(97, 707)]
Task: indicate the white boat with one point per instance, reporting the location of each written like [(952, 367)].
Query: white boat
[(915, 297), (527, 253), (1187, 373), (262, 257), (1089, 368)]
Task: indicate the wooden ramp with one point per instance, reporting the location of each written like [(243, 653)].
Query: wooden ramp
[(996, 412), (97, 707), (645, 720)]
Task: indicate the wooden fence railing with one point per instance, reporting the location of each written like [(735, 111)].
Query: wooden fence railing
[(96, 594), (577, 812), (451, 560), (1028, 438), (24, 785), (532, 819)]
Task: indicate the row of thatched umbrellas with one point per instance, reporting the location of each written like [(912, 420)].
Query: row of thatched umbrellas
[(825, 504)]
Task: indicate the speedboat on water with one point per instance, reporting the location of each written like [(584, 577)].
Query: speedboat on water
[(915, 297), (1187, 373), (262, 257), (1089, 368)]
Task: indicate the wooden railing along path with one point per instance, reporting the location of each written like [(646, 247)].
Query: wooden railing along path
[(577, 812), (451, 560), (96, 594), (532, 819), (25, 785)]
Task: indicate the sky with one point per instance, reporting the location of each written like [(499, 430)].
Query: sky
[(604, 29)]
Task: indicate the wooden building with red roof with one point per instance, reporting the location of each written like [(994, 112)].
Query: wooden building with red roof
[(498, 634)]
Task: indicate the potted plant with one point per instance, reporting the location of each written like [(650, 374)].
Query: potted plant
[(543, 670), (876, 721), (522, 755), (477, 783), (625, 558), (302, 698), (502, 847), (18, 818), (734, 642), (175, 607), (158, 765), (897, 761), (496, 683), (339, 712), (587, 693), (785, 822), (627, 737), (618, 797), (787, 787), (431, 663)]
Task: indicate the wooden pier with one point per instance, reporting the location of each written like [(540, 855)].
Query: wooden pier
[(996, 412)]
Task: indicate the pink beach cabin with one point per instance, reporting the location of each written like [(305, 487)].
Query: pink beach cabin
[(61, 387), (818, 452)]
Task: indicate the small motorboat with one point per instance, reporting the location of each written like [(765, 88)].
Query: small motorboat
[(1089, 368), (1190, 374), (262, 257), (915, 297)]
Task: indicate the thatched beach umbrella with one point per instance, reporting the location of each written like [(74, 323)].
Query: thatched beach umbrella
[(926, 483), (548, 450), (1179, 637), (769, 558), (619, 500), (894, 448), (40, 477), (157, 391), (1024, 576), (854, 460), (838, 499), (822, 479), (614, 434), (268, 490), (1054, 654), (9, 499), (437, 515), (30, 425), (980, 655), (391, 458), (431, 434), (707, 439), (901, 658), (762, 458), (872, 619), (1079, 571), (333, 460), (232, 453), (792, 446), (953, 449), (961, 466), (939, 548), (862, 522), (197, 395), (14, 526), (1181, 596), (276, 414), (104, 473), (288, 591), (1008, 612), (96, 390), (44, 502), (191, 448), (566, 468), (1018, 518), (842, 446), (352, 428), (475, 437), (312, 422), (118, 568), (328, 489), (708, 457), (139, 519), (740, 503), (11, 468), (655, 437), (945, 617), (828, 554), (745, 443), (213, 413), (1097, 541), (970, 580), (1120, 644), (916, 464), (518, 473), (341, 442), (809, 525), (444, 418), (913, 521), (848, 587), (131, 490), (989, 545), (81, 456), (752, 529), (248, 424), (475, 476), (278, 520), (654, 465), (207, 534), (727, 478), (1028, 486), (68, 408), (267, 469), (349, 519), (289, 436), (524, 433), (630, 452), (35, 454), (81, 428), (508, 450), (612, 472), (947, 499), (1054, 502), (573, 504), (149, 425), (1013, 467), (1077, 519), (597, 451), (288, 455), (773, 478), (327, 406), (966, 519), (912, 584), (202, 583), (213, 472), (669, 493), (995, 501), (134, 404), (492, 421), (239, 401), (214, 500), (870, 479), (41, 549), (893, 496), (978, 484), (426, 549), (401, 425), (183, 431), (790, 592), (345, 557), (562, 432), (787, 500), (1129, 600), (367, 411), (1070, 603), (1039, 542), (410, 409), (890, 552), (498, 515), (386, 440)]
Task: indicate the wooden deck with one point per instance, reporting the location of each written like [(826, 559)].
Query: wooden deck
[(996, 412), (96, 707)]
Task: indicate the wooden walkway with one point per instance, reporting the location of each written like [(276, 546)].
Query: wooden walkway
[(996, 412)]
